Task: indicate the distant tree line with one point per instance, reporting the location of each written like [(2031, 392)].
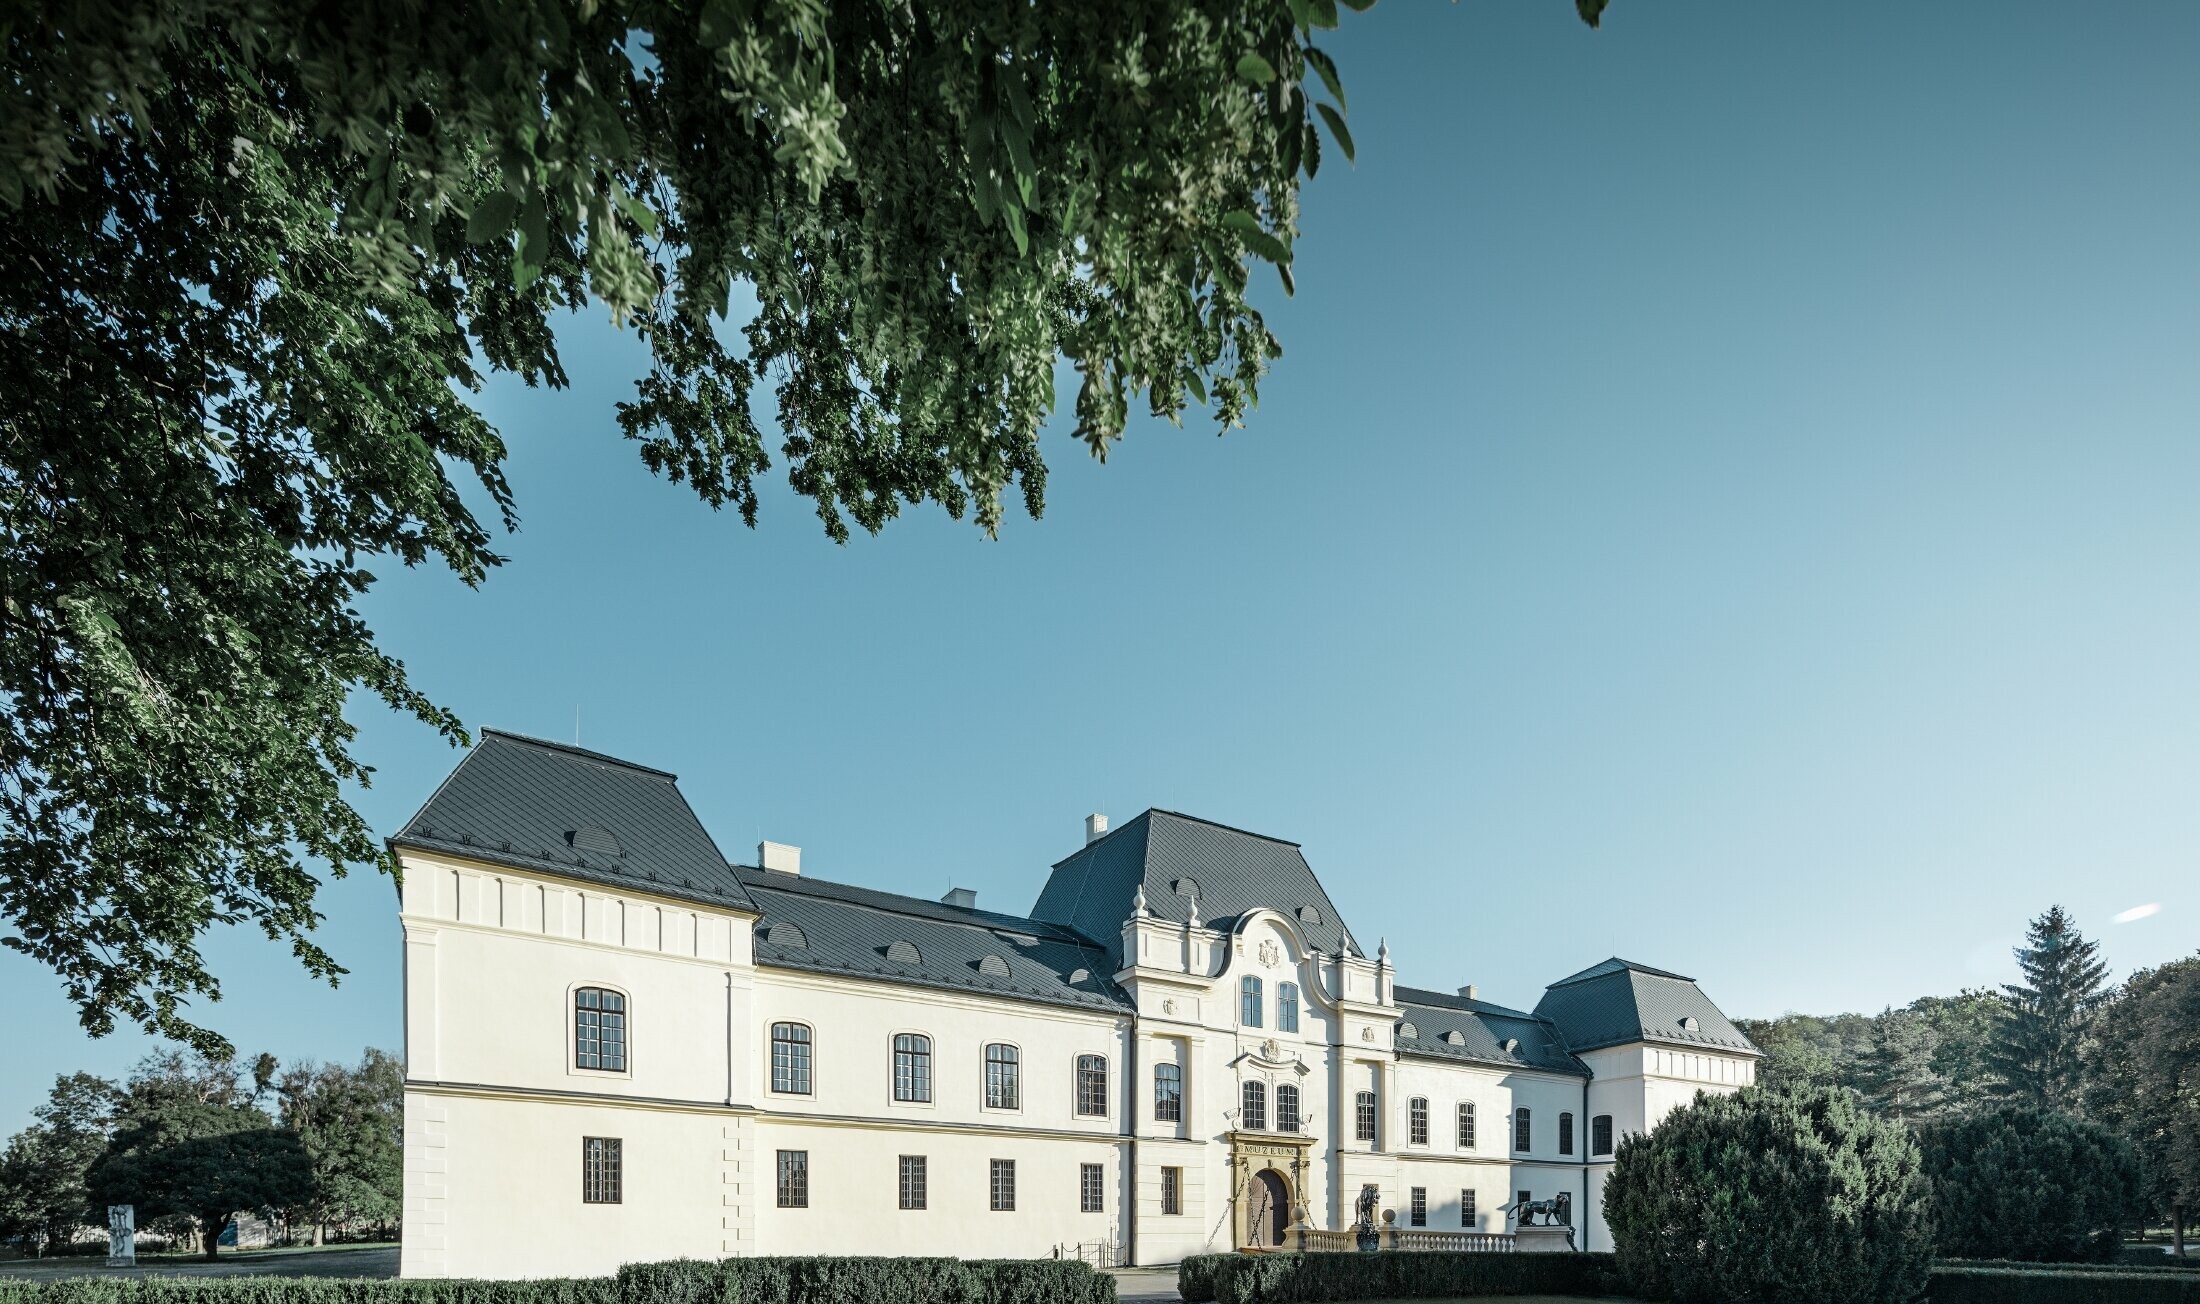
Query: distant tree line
[(2058, 1073), (192, 1140)]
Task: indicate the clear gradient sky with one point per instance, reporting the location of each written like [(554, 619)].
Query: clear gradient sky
[(1731, 499)]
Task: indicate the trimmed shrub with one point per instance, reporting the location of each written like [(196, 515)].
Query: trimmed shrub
[(1195, 1277), (2012, 1265), (2035, 1285), (2143, 1256), (1768, 1198), (1315, 1278), (2024, 1184)]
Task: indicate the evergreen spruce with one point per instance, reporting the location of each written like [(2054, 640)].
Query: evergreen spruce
[(2036, 1048), (1898, 1074)]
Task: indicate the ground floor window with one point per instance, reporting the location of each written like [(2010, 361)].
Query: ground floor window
[(912, 1182), (1420, 1206), (1466, 1207), (1523, 1200), (1089, 1180), (601, 1160), (1004, 1185), (794, 1179), (1172, 1190)]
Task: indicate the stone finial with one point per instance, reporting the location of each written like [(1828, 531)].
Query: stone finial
[(1382, 953), (1191, 912), (1138, 904)]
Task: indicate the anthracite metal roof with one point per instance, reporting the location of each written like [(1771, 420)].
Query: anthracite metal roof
[(1237, 872), (539, 805), (1619, 1001), (1483, 1028)]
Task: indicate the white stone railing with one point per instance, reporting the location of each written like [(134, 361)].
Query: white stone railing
[(1410, 1240)]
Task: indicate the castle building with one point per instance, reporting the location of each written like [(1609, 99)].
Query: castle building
[(621, 1046)]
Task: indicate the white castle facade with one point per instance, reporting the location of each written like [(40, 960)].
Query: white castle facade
[(619, 1047)]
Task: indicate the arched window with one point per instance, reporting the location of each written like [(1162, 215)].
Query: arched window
[(1521, 1132), (1466, 1125), (1417, 1121), (599, 1030), (1565, 1134), (791, 1058), (1287, 1007), (1249, 1001), (1363, 1117), (1168, 1093), (1004, 1085), (1287, 1107), (913, 1067), (1254, 1117), (1600, 1135), (1092, 1086)]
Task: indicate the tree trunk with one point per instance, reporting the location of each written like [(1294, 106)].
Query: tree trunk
[(320, 1231), (212, 1235), (2177, 1230)]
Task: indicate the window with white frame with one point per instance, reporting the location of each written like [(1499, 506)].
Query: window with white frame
[(1172, 1190), (1466, 1125), (913, 1068), (791, 1058), (599, 1030), (1254, 1116), (1287, 1107), (794, 1179), (1417, 1121), (1003, 1185), (1363, 1117), (1091, 1186), (1417, 1206), (1466, 1206), (1249, 1001), (1287, 1007), (1092, 1086), (1004, 1088), (1168, 1093)]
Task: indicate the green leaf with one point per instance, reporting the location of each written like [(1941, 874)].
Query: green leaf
[(1015, 218), (1290, 284), (1336, 128), (1302, 13), (1590, 10), (1238, 219), (1198, 387), (1255, 69), (1359, 6), (1326, 68)]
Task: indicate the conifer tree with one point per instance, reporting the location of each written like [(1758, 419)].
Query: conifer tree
[(1898, 1074), (2036, 1048)]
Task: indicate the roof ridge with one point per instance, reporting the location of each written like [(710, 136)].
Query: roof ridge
[(1463, 1004), (1046, 930), (574, 749), (1218, 824), (1604, 969)]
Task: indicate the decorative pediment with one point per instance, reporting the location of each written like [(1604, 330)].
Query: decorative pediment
[(1273, 1057)]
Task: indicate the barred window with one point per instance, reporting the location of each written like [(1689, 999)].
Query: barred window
[(1287, 1007), (1287, 1108), (1089, 1188), (912, 1182), (1249, 1001), (791, 1058), (1466, 1125), (601, 1163), (1092, 1086), (1168, 1093), (1363, 1117), (1466, 1206), (1004, 1185), (1521, 1133), (794, 1179), (1254, 1117), (1004, 1086), (913, 1067), (1172, 1190), (1600, 1135), (1417, 1121), (1419, 1207), (599, 1030), (1565, 1134)]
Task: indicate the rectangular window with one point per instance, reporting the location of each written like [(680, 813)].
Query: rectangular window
[(599, 1030), (794, 1179), (912, 1182), (1168, 1093), (1089, 1189), (1254, 1116), (1092, 1086), (1600, 1135), (1172, 1190), (1003, 1077), (791, 1058), (1287, 1007), (1363, 1117), (1466, 1125), (1466, 1206), (601, 1163), (1004, 1185), (1287, 1107), (1521, 1132), (1420, 1206), (1249, 1001), (1524, 1197), (913, 1068), (1565, 1134), (1417, 1121)]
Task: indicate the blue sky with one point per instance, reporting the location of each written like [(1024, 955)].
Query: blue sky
[(1728, 500)]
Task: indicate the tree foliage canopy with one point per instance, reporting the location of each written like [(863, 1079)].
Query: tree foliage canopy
[(2014, 1182), (261, 254), (1767, 1197), (2144, 1079), (351, 1121), (2038, 1045)]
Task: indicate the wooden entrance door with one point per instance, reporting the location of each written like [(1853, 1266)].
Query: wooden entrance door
[(1269, 1210)]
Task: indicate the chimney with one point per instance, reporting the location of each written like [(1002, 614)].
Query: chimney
[(1096, 827), (1471, 992), (779, 857), (962, 898)]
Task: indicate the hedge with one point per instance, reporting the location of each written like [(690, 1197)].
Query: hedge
[(2166, 1264), (850, 1280), (1312, 1278), (2033, 1285)]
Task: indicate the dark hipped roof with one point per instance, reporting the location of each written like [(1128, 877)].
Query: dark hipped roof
[(845, 930), (1237, 872), (1619, 1001), (539, 805), (1483, 1030)]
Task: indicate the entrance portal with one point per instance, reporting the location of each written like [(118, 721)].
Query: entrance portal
[(1268, 1212)]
